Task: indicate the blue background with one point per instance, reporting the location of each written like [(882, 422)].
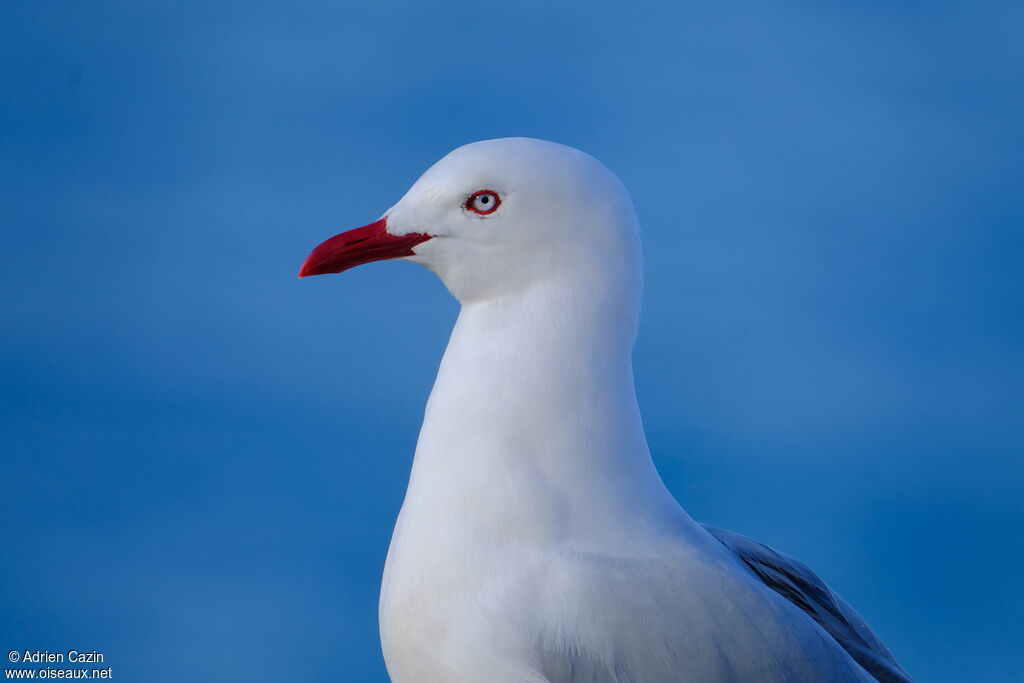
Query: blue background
[(202, 457)]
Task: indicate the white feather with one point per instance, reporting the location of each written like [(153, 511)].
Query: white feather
[(537, 541)]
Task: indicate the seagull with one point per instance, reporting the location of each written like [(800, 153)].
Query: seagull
[(537, 542)]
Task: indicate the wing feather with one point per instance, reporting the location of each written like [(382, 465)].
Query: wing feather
[(792, 580)]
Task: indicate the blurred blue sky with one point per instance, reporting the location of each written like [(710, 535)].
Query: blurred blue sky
[(202, 457)]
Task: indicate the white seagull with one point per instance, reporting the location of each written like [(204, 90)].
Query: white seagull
[(537, 542)]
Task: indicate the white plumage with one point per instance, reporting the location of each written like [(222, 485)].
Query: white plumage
[(537, 541)]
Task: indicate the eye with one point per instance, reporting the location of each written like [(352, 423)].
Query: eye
[(483, 202)]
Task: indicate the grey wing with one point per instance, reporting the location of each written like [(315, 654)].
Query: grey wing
[(792, 580)]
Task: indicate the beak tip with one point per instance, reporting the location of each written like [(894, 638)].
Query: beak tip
[(310, 267)]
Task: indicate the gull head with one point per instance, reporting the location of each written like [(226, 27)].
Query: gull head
[(501, 217)]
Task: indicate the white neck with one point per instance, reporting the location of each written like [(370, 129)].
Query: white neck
[(532, 432)]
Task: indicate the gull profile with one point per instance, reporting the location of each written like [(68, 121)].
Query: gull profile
[(537, 542)]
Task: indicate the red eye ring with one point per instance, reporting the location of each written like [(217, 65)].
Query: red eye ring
[(483, 202)]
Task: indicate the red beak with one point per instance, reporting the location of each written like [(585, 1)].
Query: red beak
[(356, 247)]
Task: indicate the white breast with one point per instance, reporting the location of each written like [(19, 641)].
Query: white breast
[(537, 542)]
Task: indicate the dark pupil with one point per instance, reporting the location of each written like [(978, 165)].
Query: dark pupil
[(484, 199)]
